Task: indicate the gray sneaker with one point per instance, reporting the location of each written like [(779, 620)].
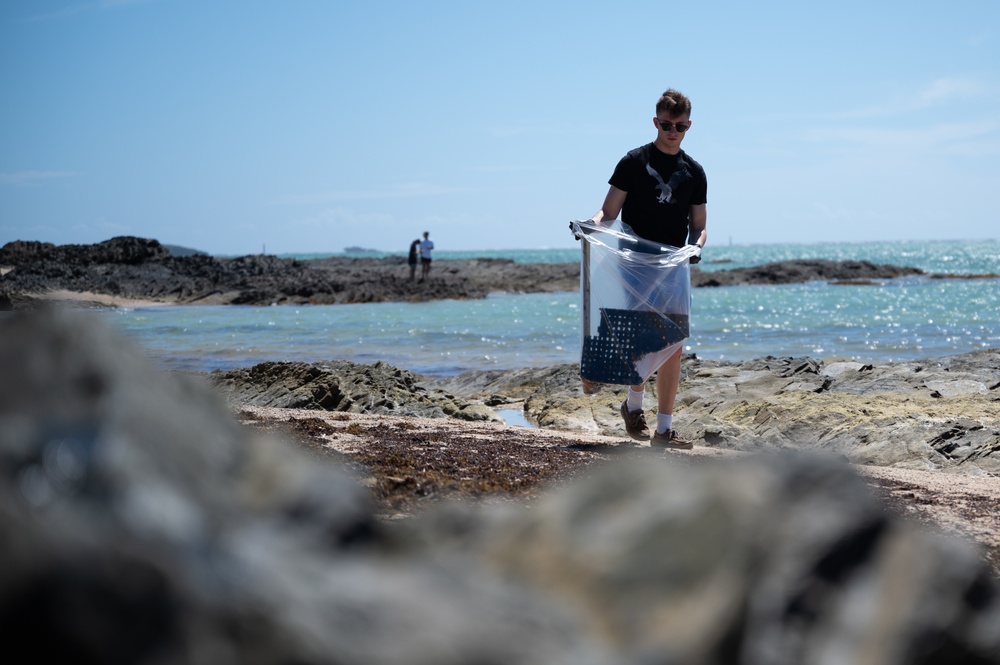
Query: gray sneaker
[(669, 439), (635, 423)]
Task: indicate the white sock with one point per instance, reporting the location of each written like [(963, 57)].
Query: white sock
[(634, 401), (663, 422)]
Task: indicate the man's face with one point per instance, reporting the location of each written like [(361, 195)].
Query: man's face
[(670, 131)]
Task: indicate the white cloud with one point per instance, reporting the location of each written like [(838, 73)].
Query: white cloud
[(936, 93), (340, 217), (511, 168), (31, 178), (403, 190), (100, 5), (938, 135), (864, 215), (571, 129), (103, 225), (332, 229), (981, 39), (947, 90), (111, 4)]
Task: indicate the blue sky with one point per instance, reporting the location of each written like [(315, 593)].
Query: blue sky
[(308, 126)]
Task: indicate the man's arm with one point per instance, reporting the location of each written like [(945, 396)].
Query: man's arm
[(613, 203), (697, 222)]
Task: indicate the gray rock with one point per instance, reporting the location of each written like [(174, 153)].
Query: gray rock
[(888, 415), (956, 387), (341, 385), (835, 369)]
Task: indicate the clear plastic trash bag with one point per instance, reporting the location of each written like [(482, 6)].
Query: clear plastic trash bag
[(636, 303)]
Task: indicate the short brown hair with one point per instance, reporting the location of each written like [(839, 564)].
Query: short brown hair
[(674, 103)]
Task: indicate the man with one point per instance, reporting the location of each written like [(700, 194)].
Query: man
[(412, 257), (661, 193), (426, 245)]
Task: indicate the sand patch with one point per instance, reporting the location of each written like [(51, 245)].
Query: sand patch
[(962, 505), (102, 299)]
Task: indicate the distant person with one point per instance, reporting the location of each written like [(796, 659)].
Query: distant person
[(661, 193), (412, 258), (426, 245)]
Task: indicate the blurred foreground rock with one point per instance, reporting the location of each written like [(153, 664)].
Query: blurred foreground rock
[(141, 524)]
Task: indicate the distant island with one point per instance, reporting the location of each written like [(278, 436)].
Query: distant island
[(177, 250), (360, 250)]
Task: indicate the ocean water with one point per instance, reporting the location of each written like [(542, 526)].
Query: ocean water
[(902, 319)]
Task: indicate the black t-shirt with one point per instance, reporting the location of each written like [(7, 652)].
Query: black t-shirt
[(660, 189)]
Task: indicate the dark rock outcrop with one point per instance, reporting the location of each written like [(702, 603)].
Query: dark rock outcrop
[(794, 272), (142, 524), (135, 268)]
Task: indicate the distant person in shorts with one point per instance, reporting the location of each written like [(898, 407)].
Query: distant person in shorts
[(414, 255), (661, 192), (426, 245)]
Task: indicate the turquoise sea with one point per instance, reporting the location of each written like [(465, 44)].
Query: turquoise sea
[(902, 319)]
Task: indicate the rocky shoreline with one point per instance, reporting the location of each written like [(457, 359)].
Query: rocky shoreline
[(137, 269), (140, 269), (909, 425), (936, 414), (147, 524)]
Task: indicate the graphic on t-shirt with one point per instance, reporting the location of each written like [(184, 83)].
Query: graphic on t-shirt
[(666, 189)]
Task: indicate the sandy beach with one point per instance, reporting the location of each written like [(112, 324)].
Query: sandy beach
[(94, 299)]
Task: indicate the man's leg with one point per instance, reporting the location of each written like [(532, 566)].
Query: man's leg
[(668, 378), (667, 381)]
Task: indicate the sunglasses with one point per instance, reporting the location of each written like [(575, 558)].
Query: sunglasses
[(681, 127)]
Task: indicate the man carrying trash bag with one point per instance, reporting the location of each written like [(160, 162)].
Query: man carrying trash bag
[(661, 194)]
